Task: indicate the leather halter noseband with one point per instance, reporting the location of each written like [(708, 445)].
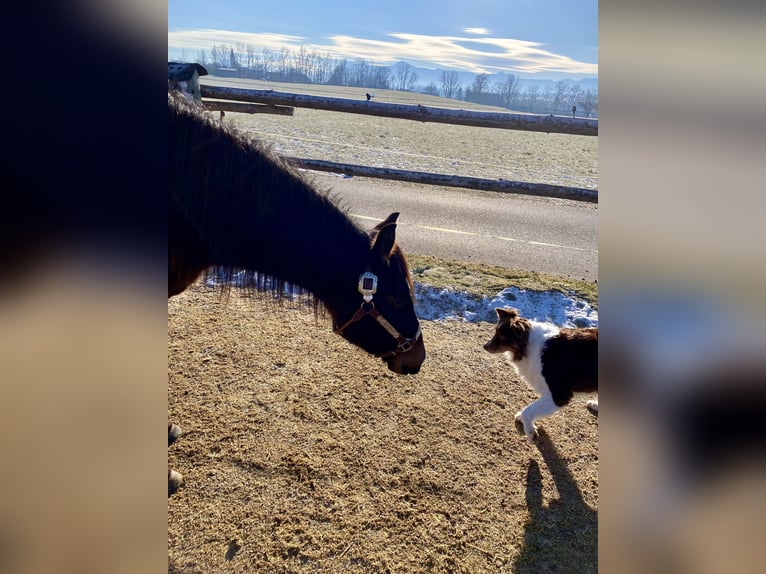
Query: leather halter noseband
[(368, 286)]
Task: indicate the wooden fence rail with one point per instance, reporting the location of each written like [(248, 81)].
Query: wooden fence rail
[(502, 185), (248, 108), (524, 122)]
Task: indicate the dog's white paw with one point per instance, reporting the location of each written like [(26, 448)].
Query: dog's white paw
[(525, 427), (592, 406)]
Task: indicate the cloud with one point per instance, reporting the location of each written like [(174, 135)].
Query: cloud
[(481, 31), (472, 54), (199, 39), (469, 53)]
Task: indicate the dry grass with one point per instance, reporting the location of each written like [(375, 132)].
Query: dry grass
[(303, 454), (558, 159), (488, 280)]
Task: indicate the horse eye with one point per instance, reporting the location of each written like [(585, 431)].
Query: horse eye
[(393, 301)]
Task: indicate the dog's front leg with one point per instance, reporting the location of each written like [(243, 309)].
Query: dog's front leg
[(542, 407)]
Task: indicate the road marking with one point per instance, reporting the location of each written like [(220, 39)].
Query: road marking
[(561, 246), (445, 230), (378, 219), (459, 232)]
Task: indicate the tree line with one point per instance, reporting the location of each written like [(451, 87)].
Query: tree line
[(311, 67)]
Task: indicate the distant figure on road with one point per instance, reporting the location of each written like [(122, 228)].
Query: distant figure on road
[(369, 96), (574, 109)]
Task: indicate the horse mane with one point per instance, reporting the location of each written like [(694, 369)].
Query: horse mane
[(233, 150)]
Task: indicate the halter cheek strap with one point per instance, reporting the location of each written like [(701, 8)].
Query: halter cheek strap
[(368, 286)]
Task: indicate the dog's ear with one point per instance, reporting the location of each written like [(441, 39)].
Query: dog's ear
[(506, 312)]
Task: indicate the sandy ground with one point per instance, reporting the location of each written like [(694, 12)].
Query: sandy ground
[(303, 454)]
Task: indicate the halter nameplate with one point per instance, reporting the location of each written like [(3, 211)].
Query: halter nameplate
[(368, 285)]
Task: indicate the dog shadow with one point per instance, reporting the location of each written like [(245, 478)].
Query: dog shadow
[(564, 534)]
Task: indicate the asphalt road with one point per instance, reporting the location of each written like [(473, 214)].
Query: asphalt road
[(552, 236)]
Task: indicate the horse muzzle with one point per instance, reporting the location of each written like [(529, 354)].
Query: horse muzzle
[(407, 362)]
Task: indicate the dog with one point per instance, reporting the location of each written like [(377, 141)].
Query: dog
[(555, 362)]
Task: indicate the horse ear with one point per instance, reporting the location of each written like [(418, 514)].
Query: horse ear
[(385, 237)]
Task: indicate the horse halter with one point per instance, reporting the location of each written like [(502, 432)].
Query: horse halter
[(368, 286)]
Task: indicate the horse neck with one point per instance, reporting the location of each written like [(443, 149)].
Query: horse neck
[(292, 233), (243, 209), (320, 250)]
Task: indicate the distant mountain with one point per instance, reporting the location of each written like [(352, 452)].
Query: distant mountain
[(427, 75)]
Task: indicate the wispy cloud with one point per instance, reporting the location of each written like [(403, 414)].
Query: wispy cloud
[(203, 39), (482, 54)]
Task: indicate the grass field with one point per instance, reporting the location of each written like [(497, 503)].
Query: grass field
[(557, 159), (303, 454)]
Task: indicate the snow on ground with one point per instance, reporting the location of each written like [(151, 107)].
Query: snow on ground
[(552, 306), (434, 304)]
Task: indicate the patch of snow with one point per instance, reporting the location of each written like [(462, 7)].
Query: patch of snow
[(552, 306)]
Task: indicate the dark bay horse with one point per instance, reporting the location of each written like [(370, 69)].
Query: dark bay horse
[(234, 206)]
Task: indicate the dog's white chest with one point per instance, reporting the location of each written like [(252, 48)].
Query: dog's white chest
[(530, 368)]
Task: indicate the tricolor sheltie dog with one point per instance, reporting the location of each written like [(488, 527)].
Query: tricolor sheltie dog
[(556, 362)]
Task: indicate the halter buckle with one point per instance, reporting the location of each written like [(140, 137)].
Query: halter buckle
[(368, 285), (405, 346)]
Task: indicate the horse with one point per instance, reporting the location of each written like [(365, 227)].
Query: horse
[(236, 206)]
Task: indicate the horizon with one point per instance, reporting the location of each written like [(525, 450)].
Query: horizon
[(545, 40)]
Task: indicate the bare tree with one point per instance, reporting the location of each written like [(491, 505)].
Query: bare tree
[(480, 84), (311, 65), (380, 77), (339, 75), (218, 56), (405, 78), (573, 95), (325, 64), (250, 59), (560, 91), (269, 59), (508, 91), (547, 99), (283, 62), (478, 91), (588, 101), (360, 73), (302, 61), (450, 83), (533, 93), (431, 89), (240, 48)]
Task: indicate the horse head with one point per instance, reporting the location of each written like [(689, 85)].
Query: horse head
[(381, 319)]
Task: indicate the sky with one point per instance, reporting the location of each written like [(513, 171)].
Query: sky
[(535, 39)]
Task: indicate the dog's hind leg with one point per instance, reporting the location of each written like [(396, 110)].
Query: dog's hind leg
[(542, 407)]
